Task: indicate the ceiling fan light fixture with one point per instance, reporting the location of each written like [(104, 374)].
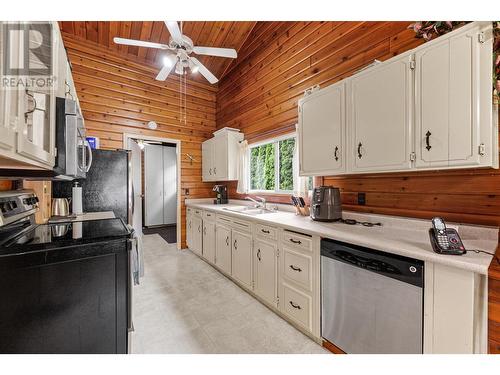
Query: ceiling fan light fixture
[(195, 69), (167, 61)]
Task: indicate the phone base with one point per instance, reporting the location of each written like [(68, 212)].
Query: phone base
[(449, 251)]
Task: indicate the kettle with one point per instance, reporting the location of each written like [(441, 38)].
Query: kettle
[(60, 207)]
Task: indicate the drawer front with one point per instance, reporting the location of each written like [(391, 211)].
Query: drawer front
[(224, 219), (297, 267), (266, 231), (242, 224), (208, 215), (297, 306), (299, 241)]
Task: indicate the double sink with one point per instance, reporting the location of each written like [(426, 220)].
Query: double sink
[(249, 210)]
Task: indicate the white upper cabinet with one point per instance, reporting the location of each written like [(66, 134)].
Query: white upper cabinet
[(379, 103), (321, 132), (429, 108), (220, 155), (453, 99)]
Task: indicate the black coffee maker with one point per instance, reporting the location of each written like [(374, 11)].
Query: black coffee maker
[(221, 191)]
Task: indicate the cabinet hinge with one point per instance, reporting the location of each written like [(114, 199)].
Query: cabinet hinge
[(310, 90), (412, 64), (413, 156), (482, 149), (480, 38)]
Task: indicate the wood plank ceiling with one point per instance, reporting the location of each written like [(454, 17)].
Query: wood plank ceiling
[(231, 34)]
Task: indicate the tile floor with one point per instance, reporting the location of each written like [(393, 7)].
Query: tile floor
[(183, 305)]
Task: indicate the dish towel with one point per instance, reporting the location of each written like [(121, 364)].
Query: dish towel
[(137, 263)]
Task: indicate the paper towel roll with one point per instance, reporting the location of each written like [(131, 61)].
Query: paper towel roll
[(76, 201)]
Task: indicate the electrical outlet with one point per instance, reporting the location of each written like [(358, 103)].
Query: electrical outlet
[(362, 199)]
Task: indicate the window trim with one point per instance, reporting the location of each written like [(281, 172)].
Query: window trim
[(275, 141)]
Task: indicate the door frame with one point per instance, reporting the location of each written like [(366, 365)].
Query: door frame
[(127, 136)]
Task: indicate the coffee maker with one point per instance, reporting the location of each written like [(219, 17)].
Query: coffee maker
[(221, 191)]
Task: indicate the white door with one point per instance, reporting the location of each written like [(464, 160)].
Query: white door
[(220, 162), (265, 275), (169, 185), (223, 248), (197, 235), (153, 185), (136, 172), (242, 257), (207, 160), (209, 241), (447, 92), (380, 101), (321, 131)]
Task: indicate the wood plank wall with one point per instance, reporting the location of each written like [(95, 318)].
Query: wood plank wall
[(118, 96), (281, 59)]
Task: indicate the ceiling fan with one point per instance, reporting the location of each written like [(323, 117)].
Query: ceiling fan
[(178, 56)]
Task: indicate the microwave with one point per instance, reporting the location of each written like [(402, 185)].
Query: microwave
[(73, 153)]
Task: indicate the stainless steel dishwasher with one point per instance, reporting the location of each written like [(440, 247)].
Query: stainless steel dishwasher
[(372, 302)]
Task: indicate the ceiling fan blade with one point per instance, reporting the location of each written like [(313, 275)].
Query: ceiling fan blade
[(140, 43), (204, 71), (213, 51), (175, 32), (168, 65)]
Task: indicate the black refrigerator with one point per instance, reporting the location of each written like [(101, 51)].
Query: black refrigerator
[(107, 186)]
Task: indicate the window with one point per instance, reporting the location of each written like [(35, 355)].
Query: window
[(271, 166)]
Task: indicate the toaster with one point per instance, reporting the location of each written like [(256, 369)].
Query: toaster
[(325, 204)]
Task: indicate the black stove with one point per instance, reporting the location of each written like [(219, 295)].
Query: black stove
[(20, 234)]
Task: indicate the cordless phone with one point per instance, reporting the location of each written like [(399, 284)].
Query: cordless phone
[(445, 240)]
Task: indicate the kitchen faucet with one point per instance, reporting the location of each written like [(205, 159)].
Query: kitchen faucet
[(261, 204)]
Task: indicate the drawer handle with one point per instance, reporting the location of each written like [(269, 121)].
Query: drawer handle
[(227, 240), (235, 245), (209, 215), (265, 231), (298, 242), (258, 255), (295, 306), (295, 268)]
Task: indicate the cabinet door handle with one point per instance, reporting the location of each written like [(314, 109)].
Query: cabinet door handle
[(295, 268), (227, 240), (265, 231), (359, 150), (210, 171), (235, 245), (258, 255), (336, 153), (294, 305), (215, 170), (205, 230), (34, 105), (428, 140), (298, 242), (199, 229)]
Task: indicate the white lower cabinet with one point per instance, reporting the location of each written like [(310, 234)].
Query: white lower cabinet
[(242, 257), (266, 270), (197, 236), (223, 248), (209, 240), (278, 267)]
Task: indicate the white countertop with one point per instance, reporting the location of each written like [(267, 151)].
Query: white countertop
[(404, 236)]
